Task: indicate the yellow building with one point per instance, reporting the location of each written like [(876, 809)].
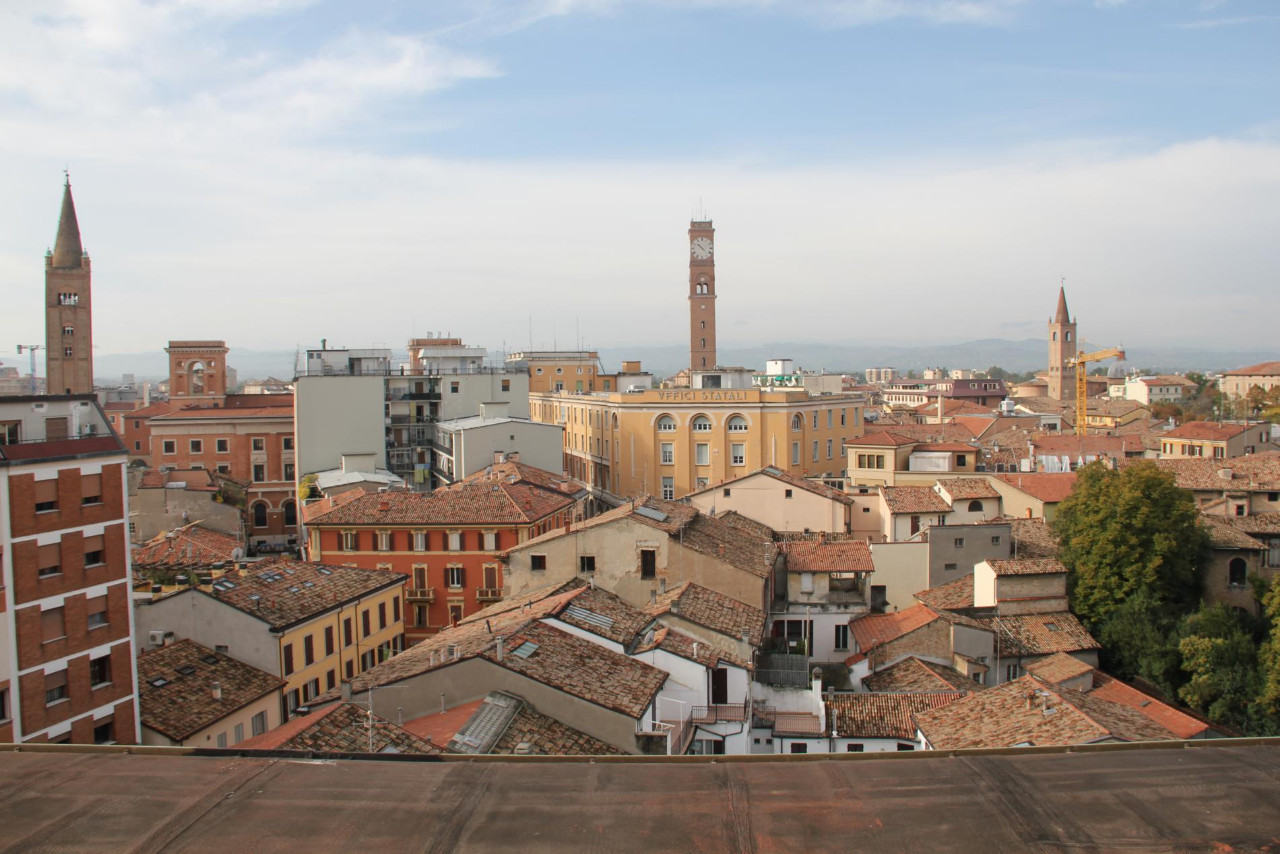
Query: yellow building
[(670, 442)]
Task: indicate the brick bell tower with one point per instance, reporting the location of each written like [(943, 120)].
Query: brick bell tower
[(1062, 349), (702, 296), (68, 319)]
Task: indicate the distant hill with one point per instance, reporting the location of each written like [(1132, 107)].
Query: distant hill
[(1028, 354)]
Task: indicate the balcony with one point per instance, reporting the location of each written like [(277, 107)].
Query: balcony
[(722, 713), (414, 395), (845, 597), (488, 594), (420, 594), (783, 670)]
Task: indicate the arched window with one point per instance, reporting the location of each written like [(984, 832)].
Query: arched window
[(290, 513), (1068, 334), (701, 424), (1237, 571), (260, 514), (196, 384), (704, 342), (797, 422), (666, 424), (615, 421), (975, 506), (1055, 335), (737, 424)]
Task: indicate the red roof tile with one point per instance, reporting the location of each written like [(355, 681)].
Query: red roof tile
[(469, 502), (192, 545), (859, 715), (1050, 488), (876, 629), (175, 688), (828, 556), (914, 499)]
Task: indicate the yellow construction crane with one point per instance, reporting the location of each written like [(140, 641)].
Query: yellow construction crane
[(1080, 361)]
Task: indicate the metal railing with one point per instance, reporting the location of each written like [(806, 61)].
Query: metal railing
[(722, 713), (788, 671), (422, 594), (488, 594)]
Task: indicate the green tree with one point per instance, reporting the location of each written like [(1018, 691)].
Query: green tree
[(1220, 657), (1129, 530), (1140, 639), (1269, 654)]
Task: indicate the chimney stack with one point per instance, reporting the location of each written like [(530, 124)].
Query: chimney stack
[(217, 690), (346, 692), (662, 585), (499, 649), (653, 597)]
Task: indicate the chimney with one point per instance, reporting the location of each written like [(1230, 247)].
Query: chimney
[(662, 585), (653, 597), (217, 690), (695, 649), (498, 457), (346, 692), (499, 649)]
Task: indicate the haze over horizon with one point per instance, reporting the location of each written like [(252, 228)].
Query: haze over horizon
[(886, 172)]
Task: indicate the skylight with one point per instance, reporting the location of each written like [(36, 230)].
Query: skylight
[(525, 649)]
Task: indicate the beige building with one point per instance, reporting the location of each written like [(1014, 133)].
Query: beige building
[(562, 370), (671, 442), (1215, 441), (1164, 388), (1264, 375), (780, 501)]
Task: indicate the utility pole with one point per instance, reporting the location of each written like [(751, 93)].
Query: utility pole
[(31, 348)]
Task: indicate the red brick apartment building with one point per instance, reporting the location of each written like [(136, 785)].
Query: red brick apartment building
[(248, 437), (66, 640), (446, 541)]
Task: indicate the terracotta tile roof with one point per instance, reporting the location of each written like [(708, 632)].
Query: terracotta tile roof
[(734, 539), (159, 407), (201, 413), (118, 406), (1208, 431), (545, 736), (1041, 634), (828, 556), (514, 471), (1084, 446), (1257, 524), (1028, 566), (468, 502), (1168, 379), (914, 675), (816, 487), (948, 447), (881, 439), (191, 545), (1032, 538), (175, 688), (340, 728), (571, 664), (1050, 488), (1255, 472), (678, 643), (1224, 534), (913, 499), (284, 592), (604, 614), (516, 603), (713, 610), (859, 715), (1262, 369), (876, 629), (439, 728), (1181, 724), (1058, 668), (1004, 716), (936, 433), (1113, 408), (952, 596), (952, 407), (968, 488)]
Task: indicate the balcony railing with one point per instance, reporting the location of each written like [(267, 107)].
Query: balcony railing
[(488, 594), (421, 594), (722, 713), (845, 597), (788, 671)]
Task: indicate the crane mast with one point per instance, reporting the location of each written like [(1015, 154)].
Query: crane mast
[(1080, 361)]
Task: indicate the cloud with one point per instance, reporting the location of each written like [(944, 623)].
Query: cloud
[(1216, 23)]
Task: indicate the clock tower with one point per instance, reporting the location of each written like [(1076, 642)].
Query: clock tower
[(702, 296)]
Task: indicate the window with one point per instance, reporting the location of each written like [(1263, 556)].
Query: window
[(815, 419), (347, 639), (259, 723), (842, 636), (348, 541), (90, 489), (395, 609), (727, 492), (995, 541), (49, 559), (842, 417), (506, 385), (1010, 672), (55, 687), (537, 563), (290, 513), (137, 446), (1237, 572), (815, 450), (702, 454), (586, 563), (454, 386), (830, 448), (100, 670), (287, 443), (648, 563), (169, 446), (799, 747), (259, 472), (330, 680), (259, 443), (795, 453), (239, 733), (949, 567), (366, 625), (259, 513), (737, 424), (222, 446), (902, 748), (308, 650), (68, 330), (454, 577), (786, 493), (962, 460), (455, 541), (288, 471), (797, 422), (666, 424), (669, 488), (419, 541), (959, 542), (701, 424), (384, 541), (104, 733), (854, 748), (52, 625), (382, 615), (288, 659), (197, 446), (222, 739), (328, 640), (490, 541), (806, 582), (668, 453), (96, 609)]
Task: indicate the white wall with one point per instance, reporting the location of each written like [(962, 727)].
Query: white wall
[(335, 416)]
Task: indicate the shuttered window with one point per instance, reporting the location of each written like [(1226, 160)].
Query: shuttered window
[(91, 489)]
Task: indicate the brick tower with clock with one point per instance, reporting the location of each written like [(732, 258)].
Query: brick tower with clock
[(702, 296), (68, 308)]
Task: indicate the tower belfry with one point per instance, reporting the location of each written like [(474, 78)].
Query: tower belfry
[(1062, 349), (702, 296), (68, 307)]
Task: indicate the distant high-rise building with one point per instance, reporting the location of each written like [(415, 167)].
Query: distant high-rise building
[(68, 319), (1062, 349), (702, 296)]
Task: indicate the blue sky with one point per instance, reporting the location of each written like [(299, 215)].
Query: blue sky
[(272, 172)]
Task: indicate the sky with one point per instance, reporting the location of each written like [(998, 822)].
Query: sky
[(522, 174)]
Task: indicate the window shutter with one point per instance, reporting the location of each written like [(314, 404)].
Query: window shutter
[(51, 624), (90, 486), (46, 490), (50, 556)]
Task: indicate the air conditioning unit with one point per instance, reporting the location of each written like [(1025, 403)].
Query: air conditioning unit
[(158, 637)]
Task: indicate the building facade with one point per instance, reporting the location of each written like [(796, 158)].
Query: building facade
[(66, 651)]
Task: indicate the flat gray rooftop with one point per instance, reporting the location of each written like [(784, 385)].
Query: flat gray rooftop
[(1219, 798)]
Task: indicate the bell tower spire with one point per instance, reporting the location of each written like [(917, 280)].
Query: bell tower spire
[(1062, 350), (68, 320)]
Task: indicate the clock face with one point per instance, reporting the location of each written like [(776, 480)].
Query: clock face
[(701, 248)]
